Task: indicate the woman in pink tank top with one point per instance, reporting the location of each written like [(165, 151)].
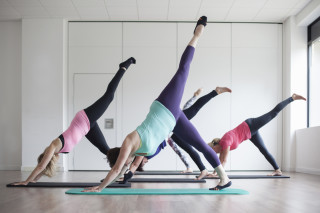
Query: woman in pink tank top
[(249, 130), (83, 124)]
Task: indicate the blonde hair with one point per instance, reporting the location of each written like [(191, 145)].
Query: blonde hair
[(50, 169), (214, 142)]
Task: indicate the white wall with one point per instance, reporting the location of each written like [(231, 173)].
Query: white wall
[(42, 85), (295, 55), (308, 146), (232, 55), (10, 95), (294, 81)]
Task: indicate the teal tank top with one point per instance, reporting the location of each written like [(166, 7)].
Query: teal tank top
[(158, 124)]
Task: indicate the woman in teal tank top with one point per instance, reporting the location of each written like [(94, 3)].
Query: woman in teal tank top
[(165, 116)]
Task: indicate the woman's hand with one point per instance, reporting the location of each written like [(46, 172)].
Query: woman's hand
[(21, 183), (92, 189)]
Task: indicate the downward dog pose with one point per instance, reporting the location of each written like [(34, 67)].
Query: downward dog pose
[(137, 165), (189, 112), (83, 124), (165, 116), (249, 129)]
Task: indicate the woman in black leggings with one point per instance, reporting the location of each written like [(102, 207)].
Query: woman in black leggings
[(249, 129), (83, 124)]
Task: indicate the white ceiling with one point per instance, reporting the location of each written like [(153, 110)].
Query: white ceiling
[(153, 10)]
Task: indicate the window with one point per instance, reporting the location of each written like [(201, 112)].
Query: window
[(314, 74)]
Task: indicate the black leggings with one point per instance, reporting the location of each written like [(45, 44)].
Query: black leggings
[(96, 110), (256, 123), (190, 113)]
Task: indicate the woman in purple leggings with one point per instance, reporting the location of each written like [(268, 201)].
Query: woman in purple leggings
[(165, 116)]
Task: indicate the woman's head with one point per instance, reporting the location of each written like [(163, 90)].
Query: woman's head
[(214, 144), (112, 156), (50, 169)]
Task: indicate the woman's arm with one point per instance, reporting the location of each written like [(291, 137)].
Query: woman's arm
[(37, 172), (37, 178), (120, 166), (135, 164), (224, 156)]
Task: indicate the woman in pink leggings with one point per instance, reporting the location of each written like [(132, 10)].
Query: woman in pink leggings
[(83, 124)]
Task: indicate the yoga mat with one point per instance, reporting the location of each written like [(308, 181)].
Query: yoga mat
[(249, 177), (68, 184), (131, 191), (165, 180), (165, 173)]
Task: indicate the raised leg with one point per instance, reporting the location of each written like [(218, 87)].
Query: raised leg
[(256, 123), (96, 110), (171, 96), (195, 108)]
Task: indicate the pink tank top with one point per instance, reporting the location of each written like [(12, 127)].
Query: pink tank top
[(236, 136), (78, 128)]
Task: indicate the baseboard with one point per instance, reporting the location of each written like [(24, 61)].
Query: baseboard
[(30, 168), (10, 168), (308, 171)]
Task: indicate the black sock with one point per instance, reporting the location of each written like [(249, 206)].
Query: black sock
[(128, 62), (202, 20)]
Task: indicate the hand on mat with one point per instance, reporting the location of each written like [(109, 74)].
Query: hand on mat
[(21, 183), (92, 189)]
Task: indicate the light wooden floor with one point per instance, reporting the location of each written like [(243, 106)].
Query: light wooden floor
[(300, 193)]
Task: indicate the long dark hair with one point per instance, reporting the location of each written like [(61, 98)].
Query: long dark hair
[(112, 156)]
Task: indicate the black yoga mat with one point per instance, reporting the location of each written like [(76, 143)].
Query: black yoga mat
[(165, 180), (69, 184), (165, 173), (249, 177)]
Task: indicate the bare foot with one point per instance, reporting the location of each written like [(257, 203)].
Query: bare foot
[(276, 173), (298, 97), (214, 174), (189, 170), (220, 90), (198, 92), (202, 174)]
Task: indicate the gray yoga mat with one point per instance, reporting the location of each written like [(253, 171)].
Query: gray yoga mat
[(165, 173), (165, 180), (249, 177), (69, 184)]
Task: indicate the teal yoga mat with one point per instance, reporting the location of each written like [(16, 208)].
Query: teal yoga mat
[(131, 191)]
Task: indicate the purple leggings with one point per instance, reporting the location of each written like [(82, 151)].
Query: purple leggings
[(171, 97)]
